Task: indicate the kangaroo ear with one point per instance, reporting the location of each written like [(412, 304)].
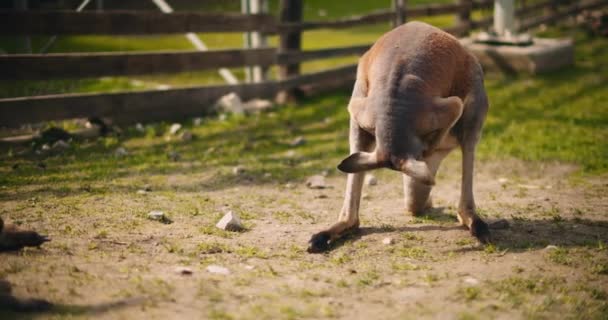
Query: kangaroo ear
[(359, 161), (447, 111)]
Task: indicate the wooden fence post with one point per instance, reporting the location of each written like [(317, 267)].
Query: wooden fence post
[(464, 17), (399, 8), (290, 12)]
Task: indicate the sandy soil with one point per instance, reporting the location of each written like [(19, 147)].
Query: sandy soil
[(108, 261)]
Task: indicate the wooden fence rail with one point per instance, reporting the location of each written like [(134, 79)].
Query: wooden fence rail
[(82, 65), (130, 22)]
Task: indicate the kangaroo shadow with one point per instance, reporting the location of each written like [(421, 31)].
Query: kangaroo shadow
[(516, 235), (12, 307)]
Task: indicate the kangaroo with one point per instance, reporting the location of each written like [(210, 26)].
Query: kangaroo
[(418, 95)]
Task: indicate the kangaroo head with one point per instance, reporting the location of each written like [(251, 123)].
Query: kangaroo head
[(427, 127)]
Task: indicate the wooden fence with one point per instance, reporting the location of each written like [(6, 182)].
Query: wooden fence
[(182, 102)]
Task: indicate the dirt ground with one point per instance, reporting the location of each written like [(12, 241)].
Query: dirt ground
[(107, 261)]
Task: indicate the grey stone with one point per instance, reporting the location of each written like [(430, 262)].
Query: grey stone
[(60, 145), (197, 121), (370, 180), (257, 105), (174, 129), (230, 222), (121, 152), (217, 269), (388, 241), (543, 55), (238, 170), (298, 141), (230, 103), (159, 216)]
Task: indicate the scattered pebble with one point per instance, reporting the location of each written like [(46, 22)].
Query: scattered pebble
[(184, 271), (248, 267), (388, 241), (163, 87), (290, 153), (231, 222), (197, 121), (230, 103), (551, 247), (140, 127), (217, 269), (298, 141), (174, 128), (471, 281), (370, 180), (187, 135), (499, 224), (159, 216), (45, 147), (503, 180), (174, 156), (121, 152), (141, 191), (60, 145), (316, 182), (289, 185), (238, 170)]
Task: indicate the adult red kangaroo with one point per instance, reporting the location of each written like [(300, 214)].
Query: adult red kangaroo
[(418, 95)]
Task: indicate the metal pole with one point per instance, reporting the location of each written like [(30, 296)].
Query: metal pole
[(197, 42), (247, 41), (504, 17), (258, 40)]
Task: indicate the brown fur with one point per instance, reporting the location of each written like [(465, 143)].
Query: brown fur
[(418, 95)]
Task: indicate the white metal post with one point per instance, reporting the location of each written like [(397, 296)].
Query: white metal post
[(258, 40), (504, 17)]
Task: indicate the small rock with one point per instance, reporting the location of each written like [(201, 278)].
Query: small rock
[(248, 267), (230, 103), (325, 173), (174, 156), (257, 105), (140, 127), (184, 271), (551, 247), (289, 186), (174, 128), (388, 241), (197, 121), (231, 222), (121, 152), (298, 141), (370, 180), (471, 281), (503, 180), (141, 191), (238, 170), (499, 224), (163, 87), (60, 145), (267, 175), (321, 196), (217, 269), (45, 147), (316, 182), (159, 216), (187, 135), (290, 153)]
